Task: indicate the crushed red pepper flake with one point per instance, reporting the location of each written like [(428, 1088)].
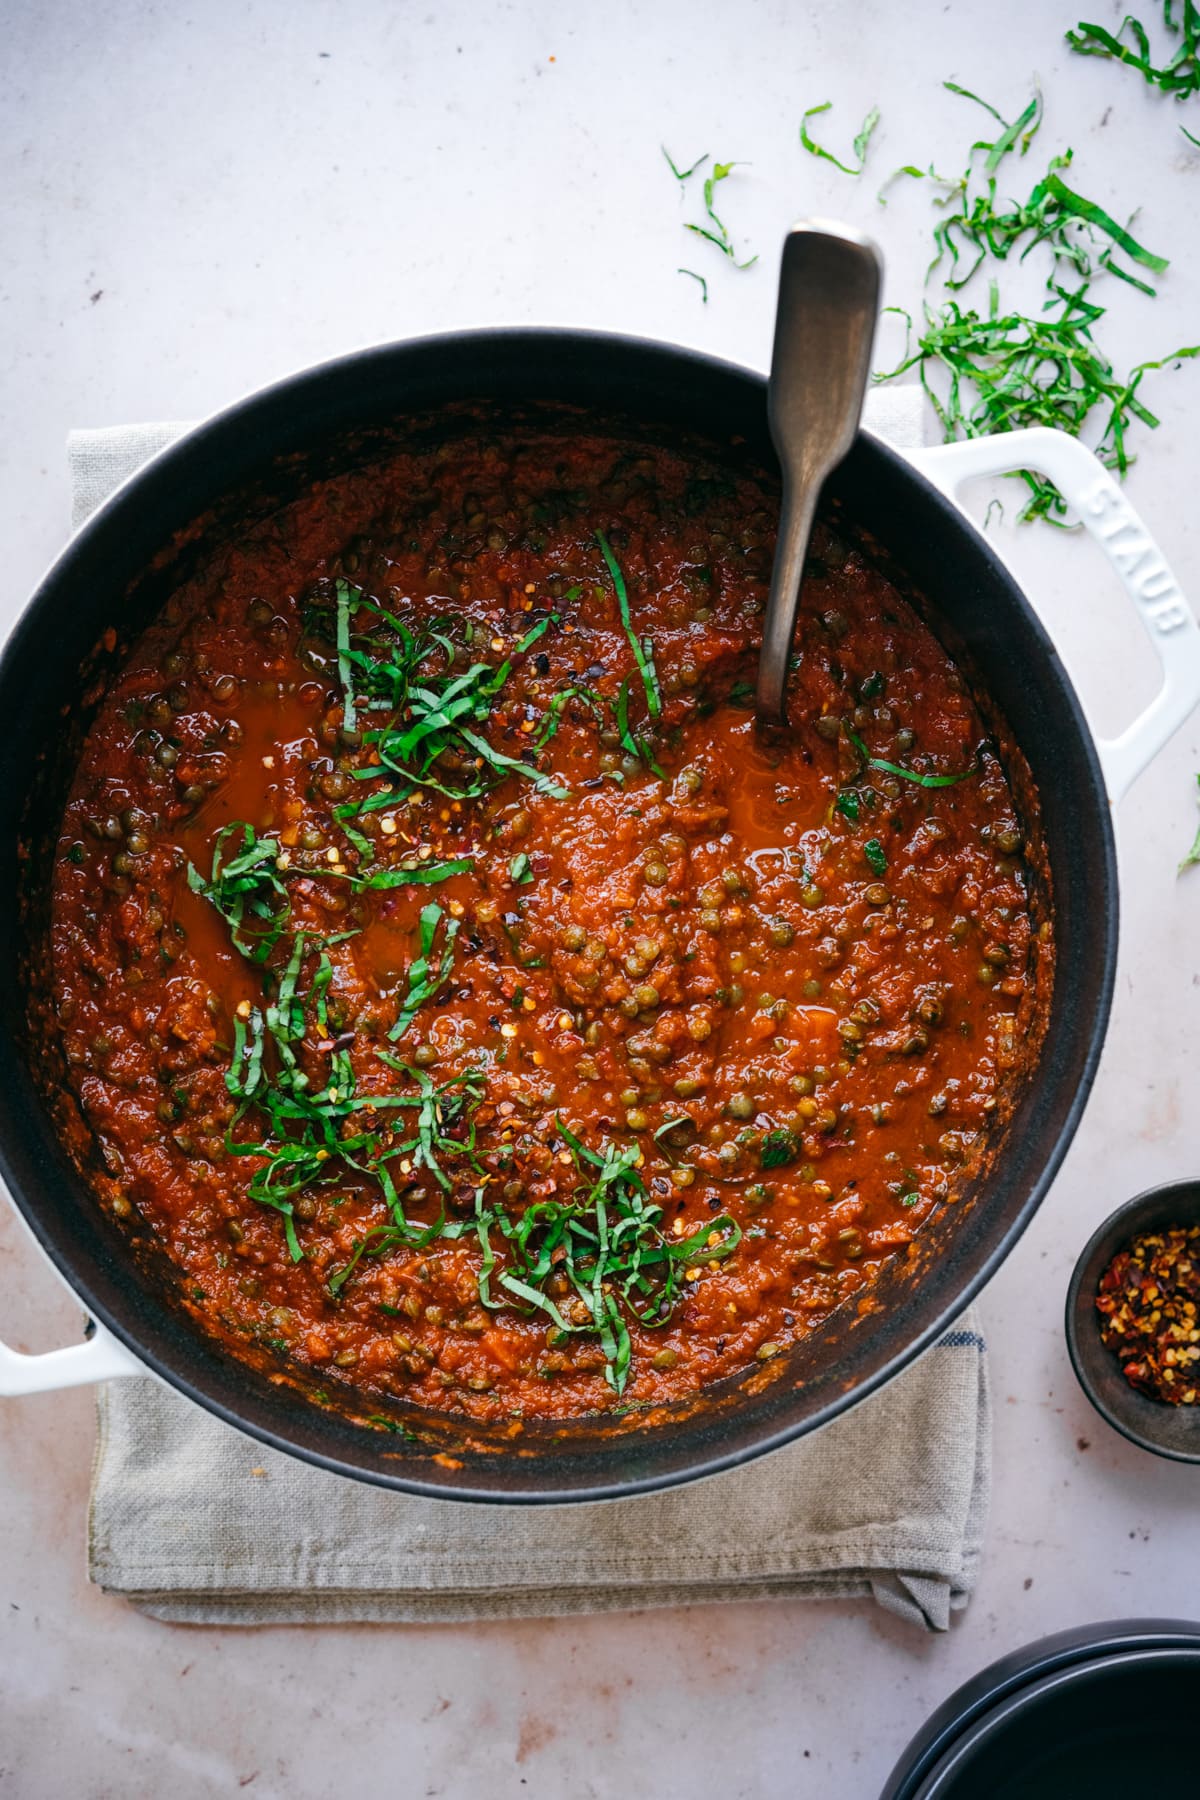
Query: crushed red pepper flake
[(1149, 1303)]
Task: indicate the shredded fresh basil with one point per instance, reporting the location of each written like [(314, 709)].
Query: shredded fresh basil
[(876, 856), (606, 1242), (778, 1148), (667, 1130), (995, 368), (861, 141), (346, 596), (426, 975), (430, 733), (246, 886), (1193, 855), (1177, 74), (714, 230), (642, 650), (631, 742), (409, 873), (682, 175), (310, 1133), (891, 768)]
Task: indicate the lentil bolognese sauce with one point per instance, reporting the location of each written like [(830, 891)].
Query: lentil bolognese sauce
[(468, 998)]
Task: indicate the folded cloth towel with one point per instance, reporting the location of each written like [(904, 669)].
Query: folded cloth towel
[(196, 1523)]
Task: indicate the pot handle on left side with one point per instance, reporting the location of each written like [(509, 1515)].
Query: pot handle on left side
[(99, 1358), (1166, 616)]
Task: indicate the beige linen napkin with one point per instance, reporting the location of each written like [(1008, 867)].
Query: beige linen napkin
[(196, 1523)]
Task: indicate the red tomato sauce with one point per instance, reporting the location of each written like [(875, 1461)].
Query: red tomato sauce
[(610, 1045)]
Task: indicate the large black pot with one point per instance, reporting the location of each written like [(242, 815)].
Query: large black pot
[(117, 570)]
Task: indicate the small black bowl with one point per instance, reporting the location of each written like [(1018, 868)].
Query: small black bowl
[(1101, 1709), (1167, 1430)]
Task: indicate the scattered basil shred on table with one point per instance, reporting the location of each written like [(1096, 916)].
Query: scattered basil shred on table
[(1178, 71), (991, 367)]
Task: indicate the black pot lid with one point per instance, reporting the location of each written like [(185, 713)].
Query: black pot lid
[(1013, 1719)]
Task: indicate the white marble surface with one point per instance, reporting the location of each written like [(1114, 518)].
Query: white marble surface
[(196, 200)]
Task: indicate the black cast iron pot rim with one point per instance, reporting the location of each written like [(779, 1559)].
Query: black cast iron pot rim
[(1019, 1677), (1119, 1227), (700, 364)]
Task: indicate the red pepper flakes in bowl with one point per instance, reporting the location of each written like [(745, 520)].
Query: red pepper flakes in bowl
[(1149, 1302)]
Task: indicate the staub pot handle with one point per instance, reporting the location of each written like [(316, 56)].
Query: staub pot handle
[(1106, 513), (98, 1358)]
